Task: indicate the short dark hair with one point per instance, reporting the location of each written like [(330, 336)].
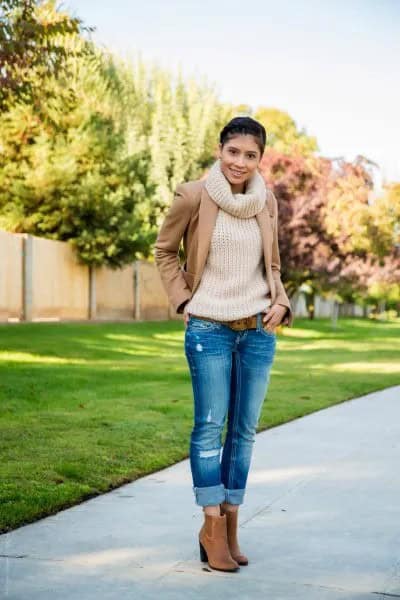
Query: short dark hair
[(244, 126)]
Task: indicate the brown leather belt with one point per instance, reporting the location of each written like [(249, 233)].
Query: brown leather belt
[(237, 324)]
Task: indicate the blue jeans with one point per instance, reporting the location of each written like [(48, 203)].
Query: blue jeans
[(230, 372)]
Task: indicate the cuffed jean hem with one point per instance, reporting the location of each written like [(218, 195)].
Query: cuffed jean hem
[(234, 496), (210, 495)]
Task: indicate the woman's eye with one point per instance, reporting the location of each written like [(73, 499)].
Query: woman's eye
[(250, 156)]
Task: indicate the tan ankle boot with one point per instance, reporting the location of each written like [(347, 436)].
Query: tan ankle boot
[(232, 527), (214, 544)]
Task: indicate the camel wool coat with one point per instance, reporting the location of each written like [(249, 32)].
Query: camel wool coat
[(191, 219)]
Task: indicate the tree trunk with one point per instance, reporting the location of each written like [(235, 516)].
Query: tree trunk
[(310, 303)]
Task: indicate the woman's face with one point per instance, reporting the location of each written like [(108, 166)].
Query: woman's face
[(240, 157)]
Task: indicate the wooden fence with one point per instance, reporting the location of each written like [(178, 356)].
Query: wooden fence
[(41, 279)]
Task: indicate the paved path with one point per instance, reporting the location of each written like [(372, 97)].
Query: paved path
[(321, 521)]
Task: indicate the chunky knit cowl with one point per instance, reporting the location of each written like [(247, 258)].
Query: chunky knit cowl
[(244, 205)]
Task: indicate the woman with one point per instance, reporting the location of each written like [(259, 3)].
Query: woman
[(232, 298)]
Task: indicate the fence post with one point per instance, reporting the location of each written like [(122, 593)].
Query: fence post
[(136, 288), (335, 314), (92, 293), (27, 277)]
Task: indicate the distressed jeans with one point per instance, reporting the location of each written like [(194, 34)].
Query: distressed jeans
[(230, 372)]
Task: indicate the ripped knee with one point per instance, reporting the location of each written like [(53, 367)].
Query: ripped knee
[(209, 453)]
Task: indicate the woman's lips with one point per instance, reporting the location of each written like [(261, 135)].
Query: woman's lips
[(236, 173)]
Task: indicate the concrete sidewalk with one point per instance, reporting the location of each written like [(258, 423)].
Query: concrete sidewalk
[(321, 521)]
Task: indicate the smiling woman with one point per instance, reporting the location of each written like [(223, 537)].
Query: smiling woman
[(232, 298), (240, 156)]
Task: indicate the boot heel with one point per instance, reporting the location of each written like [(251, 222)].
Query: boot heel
[(203, 553)]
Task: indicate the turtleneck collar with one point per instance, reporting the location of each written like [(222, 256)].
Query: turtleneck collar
[(244, 205)]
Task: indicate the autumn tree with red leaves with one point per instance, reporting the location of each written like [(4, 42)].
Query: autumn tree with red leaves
[(333, 235)]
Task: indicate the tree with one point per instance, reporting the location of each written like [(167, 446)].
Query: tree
[(93, 146), (65, 171), (334, 237), (347, 211), (373, 266), (299, 183), (32, 45), (174, 121), (283, 134)]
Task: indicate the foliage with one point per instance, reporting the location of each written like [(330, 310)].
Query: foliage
[(334, 237), (366, 229), (65, 172), (299, 183), (32, 45), (92, 147), (283, 134), (179, 124)]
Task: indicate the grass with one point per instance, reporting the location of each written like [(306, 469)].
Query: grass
[(87, 407)]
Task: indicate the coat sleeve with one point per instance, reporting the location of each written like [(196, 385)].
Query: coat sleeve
[(281, 296), (166, 250)]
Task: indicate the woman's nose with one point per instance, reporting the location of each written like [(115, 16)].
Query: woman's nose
[(239, 161)]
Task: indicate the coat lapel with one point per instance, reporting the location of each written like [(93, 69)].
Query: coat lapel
[(208, 212), (265, 224)]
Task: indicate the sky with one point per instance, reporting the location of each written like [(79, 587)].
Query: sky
[(332, 65)]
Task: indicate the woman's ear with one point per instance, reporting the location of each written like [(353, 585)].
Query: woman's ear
[(219, 150)]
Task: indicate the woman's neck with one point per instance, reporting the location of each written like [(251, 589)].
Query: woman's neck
[(238, 188)]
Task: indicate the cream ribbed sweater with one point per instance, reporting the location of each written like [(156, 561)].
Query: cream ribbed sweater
[(233, 284)]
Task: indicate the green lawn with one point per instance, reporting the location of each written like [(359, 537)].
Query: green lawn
[(88, 407)]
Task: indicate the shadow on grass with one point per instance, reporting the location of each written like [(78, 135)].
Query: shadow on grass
[(106, 341)]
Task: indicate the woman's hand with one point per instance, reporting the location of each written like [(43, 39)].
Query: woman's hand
[(186, 318), (274, 316)]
